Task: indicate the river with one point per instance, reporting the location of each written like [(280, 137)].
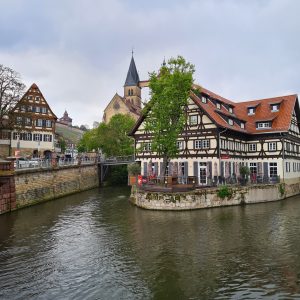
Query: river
[(96, 245)]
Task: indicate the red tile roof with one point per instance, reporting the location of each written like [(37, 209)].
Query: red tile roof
[(280, 120)]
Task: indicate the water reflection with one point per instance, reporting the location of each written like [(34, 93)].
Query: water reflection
[(96, 245)]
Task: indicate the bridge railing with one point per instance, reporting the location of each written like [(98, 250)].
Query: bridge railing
[(117, 159)]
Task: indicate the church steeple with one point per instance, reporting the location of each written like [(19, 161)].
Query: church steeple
[(132, 78), (132, 90)]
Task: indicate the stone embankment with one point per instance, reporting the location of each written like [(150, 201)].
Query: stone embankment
[(31, 186), (209, 197)]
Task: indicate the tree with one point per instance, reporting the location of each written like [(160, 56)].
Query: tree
[(11, 89), (165, 119), (111, 138)]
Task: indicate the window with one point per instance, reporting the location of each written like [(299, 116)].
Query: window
[(261, 125), (251, 110), (272, 146), (47, 138), (147, 147), (230, 109), (252, 147), (37, 137), (242, 125), (179, 145), (274, 107), (48, 123), (19, 120), (203, 99), (218, 105), (273, 169), (230, 122), (288, 167), (29, 108), (37, 98), (39, 123), (44, 110), (197, 144), (27, 136), (202, 144), (205, 144), (27, 121), (29, 97), (193, 120), (16, 135), (37, 109), (23, 108)]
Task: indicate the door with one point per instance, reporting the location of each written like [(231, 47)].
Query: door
[(202, 173), (253, 172)]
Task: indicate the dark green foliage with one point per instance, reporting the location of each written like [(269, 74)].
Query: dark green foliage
[(224, 192), (281, 189), (117, 175)]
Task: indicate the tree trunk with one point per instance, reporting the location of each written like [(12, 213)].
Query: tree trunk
[(164, 166)]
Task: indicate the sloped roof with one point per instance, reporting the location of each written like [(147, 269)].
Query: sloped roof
[(280, 120), (132, 78)]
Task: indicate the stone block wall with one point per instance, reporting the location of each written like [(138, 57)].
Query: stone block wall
[(38, 185), (7, 187), (207, 197)]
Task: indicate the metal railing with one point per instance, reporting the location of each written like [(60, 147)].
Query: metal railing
[(49, 163), (116, 159)]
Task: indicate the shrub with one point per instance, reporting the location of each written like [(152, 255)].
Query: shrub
[(224, 192), (281, 189), (134, 169)]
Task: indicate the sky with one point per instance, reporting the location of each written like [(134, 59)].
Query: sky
[(78, 52)]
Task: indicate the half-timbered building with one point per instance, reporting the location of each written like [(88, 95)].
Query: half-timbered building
[(34, 128), (221, 135)]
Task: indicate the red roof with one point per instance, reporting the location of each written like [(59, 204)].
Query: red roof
[(281, 120)]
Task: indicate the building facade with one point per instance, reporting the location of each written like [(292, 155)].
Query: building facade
[(34, 129), (65, 119), (221, 135), (130, 103)]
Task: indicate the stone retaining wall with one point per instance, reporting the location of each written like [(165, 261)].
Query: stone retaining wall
[(208, 197), (38, 185)]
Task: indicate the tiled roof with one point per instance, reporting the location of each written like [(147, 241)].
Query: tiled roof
[(280, 120)]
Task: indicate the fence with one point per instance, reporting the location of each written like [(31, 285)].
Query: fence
[(48, 163)]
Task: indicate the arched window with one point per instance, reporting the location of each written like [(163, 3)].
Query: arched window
[(129, 92)]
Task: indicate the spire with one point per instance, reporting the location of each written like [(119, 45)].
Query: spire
[(132, 74)]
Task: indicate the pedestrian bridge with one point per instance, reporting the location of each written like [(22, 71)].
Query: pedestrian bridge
[(105, 162)]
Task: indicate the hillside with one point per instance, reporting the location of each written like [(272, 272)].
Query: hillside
[(70, 134)]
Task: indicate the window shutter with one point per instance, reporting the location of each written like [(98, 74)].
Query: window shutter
[(44, 123), (266, 169), (160, 168), (156, 168), (230, 169), (171, 169), (196, 171), (210, 169), (222, 169), (186, 169), (145, 169)]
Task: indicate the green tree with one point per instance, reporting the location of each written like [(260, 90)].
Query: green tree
[(111, 138), (165, 119)]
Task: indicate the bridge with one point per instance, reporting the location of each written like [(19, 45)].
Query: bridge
[(105, 162)]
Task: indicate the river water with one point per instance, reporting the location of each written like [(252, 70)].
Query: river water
[(96, 245)]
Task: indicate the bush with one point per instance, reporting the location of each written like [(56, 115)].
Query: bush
[(245, 171), (134, 169), (224, 192)]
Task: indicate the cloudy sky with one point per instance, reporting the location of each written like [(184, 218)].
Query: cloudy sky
[(78, 52)]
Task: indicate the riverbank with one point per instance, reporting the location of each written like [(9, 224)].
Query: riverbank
[(212, 197)]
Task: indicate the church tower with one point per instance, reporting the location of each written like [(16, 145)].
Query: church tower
[(132, 90)]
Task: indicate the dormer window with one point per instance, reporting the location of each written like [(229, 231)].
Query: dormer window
[(251, 110), (274, 107), (262, 125), (230, 122), (218, 105), (242, 125), (230, 109), (203, 99)]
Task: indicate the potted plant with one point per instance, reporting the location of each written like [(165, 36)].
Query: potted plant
[(244, 171), (134, 170)]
